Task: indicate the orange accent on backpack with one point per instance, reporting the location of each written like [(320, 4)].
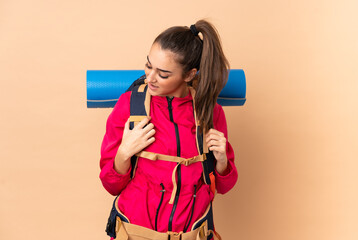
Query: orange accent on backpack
[(212, 180)]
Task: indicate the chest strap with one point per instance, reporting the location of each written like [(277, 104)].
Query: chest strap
[(185, 161)]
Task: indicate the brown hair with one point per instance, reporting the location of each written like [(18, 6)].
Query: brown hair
[(207, 57)]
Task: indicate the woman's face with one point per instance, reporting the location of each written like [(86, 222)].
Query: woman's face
[(164, 74)]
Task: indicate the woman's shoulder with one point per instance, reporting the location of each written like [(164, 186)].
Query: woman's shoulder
[(218, 110), (121, 110), (219, 118), (123, 101)]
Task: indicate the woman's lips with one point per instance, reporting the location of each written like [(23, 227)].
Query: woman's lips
[(152, 86)]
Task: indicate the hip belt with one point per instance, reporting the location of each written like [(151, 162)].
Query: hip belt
[(119, 227)]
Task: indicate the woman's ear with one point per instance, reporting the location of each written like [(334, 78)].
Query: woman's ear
[(190, 75)]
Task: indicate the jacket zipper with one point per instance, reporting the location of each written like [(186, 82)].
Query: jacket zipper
[(192, 210), (170, 225), (175, 125), (160, 204)]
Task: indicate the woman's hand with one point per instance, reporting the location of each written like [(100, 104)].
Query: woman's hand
[(133, 141), (216, 142)]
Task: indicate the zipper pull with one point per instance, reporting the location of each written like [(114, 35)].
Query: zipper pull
[(163, 190), (170, 99)]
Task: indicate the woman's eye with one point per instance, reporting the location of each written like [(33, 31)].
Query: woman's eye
[(150, 67), (163, 76)]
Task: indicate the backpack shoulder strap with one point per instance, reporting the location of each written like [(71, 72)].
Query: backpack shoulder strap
[(139, 104), (209, 162), (139, 81), (139, 109)]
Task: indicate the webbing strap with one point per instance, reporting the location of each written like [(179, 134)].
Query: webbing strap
[(208, 165), (121, 233), (137, 118), (185, 161), (147, 102), (175, 185), (200, 139), (201, 229), (141, 88), (128, 231)]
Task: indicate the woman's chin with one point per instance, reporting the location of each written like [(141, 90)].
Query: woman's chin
[(153, 93)]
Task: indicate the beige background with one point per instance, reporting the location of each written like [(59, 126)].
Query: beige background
[(296, 138)]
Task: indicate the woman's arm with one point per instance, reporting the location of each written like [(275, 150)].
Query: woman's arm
[(115, 181), (226, 172)]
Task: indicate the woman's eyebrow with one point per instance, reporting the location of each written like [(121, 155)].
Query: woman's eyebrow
[(158, 68)]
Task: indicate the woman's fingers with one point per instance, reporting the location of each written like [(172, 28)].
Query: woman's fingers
[(217, 149), (144, 133), (150, 133), (139, 137), (149, 127), (214, 143), (215, 132), (150, 140), (215, 136), (215, 140), (144, 128)]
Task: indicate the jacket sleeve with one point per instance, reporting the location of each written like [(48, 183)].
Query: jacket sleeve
[(226, 181), (112, 181)]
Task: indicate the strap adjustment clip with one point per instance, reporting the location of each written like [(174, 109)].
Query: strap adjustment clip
[(174, 235)]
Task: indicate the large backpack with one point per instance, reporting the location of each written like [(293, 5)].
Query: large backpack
[(139, 109)]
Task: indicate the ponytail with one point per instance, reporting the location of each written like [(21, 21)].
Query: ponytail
[(213, 74), (206, 55)]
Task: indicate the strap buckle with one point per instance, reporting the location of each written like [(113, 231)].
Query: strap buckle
[(189, 161), (174, 235)]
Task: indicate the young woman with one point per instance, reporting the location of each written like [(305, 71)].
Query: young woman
[(185, 72)]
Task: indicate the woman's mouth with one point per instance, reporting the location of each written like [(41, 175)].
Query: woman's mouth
[(152, 86)]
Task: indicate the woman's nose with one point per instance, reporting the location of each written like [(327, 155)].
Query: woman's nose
[(150, 76)]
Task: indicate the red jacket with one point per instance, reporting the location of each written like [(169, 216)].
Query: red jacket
[(140, 197)]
